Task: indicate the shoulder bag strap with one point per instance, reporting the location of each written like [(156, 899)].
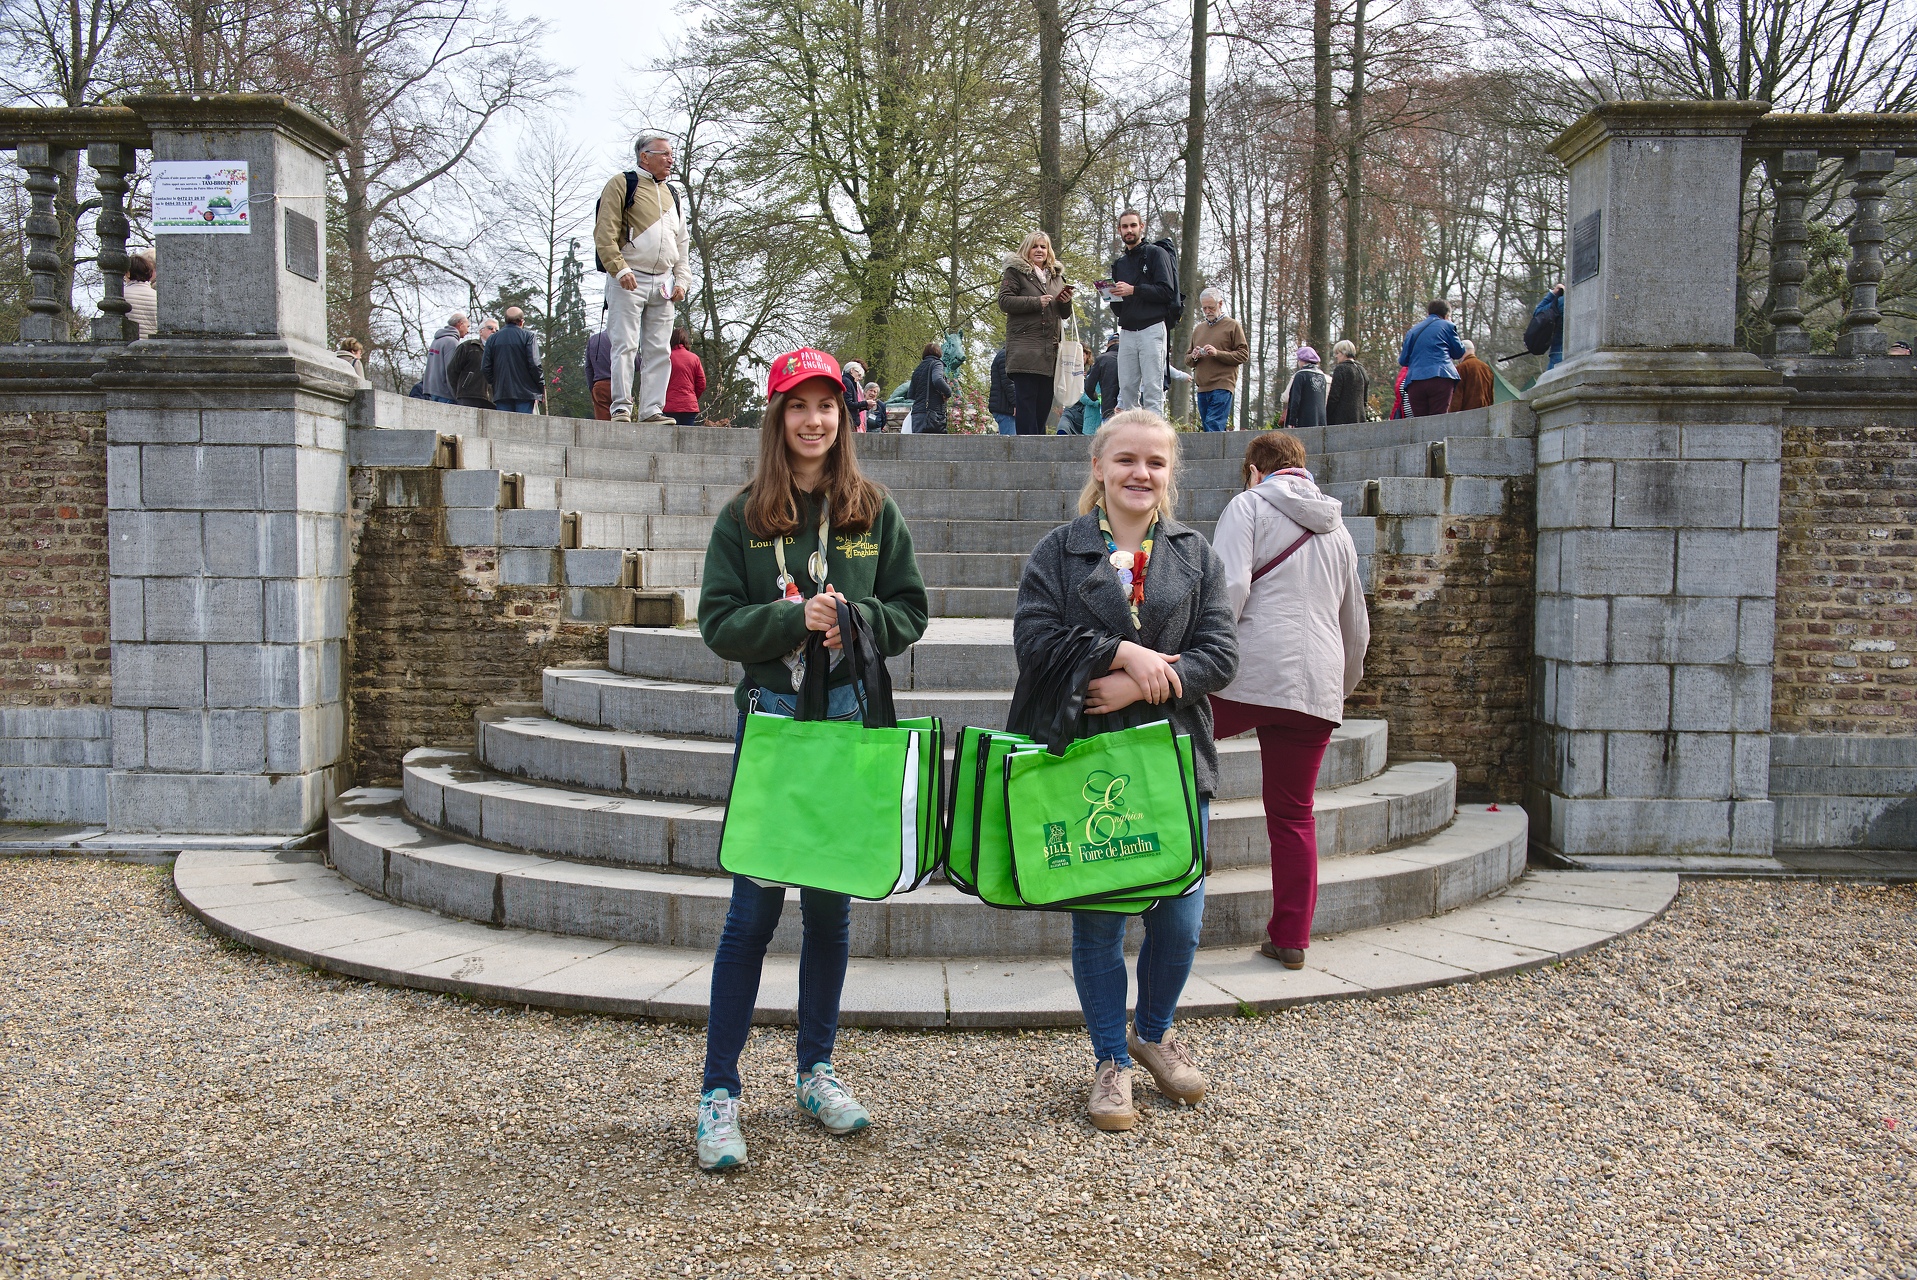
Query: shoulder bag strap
[(1284, 555)]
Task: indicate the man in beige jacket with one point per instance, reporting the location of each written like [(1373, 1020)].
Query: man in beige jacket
[(640, 235)]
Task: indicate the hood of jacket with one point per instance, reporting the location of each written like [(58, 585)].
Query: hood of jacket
[(1298, 498), (1015, 263), (445, 331)]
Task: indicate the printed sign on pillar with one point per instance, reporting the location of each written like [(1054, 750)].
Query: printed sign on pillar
[(201, 197)]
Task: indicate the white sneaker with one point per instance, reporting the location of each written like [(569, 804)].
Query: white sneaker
[(622, 415), (721, 1145), (822, 1097), (661, 419)]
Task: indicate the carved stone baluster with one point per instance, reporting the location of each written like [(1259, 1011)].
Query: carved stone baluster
[(1791, 173), (46, 318), (1861, 336), (112, 161)]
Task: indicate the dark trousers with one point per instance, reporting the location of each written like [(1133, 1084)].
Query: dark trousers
[(1291, 746), (686, 419), (736, 967), (1429, 397), (1031, 402)]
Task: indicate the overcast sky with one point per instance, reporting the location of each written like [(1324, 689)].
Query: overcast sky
[(603, 42)]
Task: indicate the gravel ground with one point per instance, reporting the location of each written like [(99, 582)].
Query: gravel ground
[(1728, 1093)]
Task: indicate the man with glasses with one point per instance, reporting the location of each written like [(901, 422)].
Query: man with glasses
[(640, 235)]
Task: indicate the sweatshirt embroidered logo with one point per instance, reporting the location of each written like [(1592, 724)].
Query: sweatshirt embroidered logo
[(1106, 829), (860, 548)]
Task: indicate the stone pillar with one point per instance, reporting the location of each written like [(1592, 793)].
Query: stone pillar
[(226, 473), (1658, 448)]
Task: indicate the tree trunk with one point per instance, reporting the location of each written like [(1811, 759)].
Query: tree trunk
[(1194, 200), (1354, 182), (1318, 198), (1051, 176)]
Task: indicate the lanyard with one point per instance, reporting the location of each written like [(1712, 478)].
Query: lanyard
[(814, 565), (1130, 567)]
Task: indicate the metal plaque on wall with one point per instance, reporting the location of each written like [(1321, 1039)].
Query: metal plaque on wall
[(302, 245), (1586, 257)]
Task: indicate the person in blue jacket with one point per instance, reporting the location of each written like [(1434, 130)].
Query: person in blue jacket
[(1430, 351), (1553, 305)]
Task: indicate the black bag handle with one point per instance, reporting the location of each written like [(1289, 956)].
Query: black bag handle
[(869, 672), (1049, 703)]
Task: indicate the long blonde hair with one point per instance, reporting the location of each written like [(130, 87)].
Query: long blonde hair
[(1025, 249), (1092, 496)]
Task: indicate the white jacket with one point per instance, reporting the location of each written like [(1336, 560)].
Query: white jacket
[(1302, 628), (665, 247)]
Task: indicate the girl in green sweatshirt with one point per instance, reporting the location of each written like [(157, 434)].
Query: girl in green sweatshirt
[(809, 530)]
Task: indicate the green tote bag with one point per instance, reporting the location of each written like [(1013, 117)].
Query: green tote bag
[(1112, 819), (978, 860), (852, 807)]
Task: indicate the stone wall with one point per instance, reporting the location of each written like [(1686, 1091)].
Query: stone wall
[(1847, 571), (53, 561), (1450, 659), (434, 635)]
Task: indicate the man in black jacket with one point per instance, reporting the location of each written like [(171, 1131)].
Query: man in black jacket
[(1142, 297), (1101, 380), (999, 403), (511, 365)]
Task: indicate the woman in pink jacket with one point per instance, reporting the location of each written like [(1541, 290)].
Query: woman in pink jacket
[(1291, 577)]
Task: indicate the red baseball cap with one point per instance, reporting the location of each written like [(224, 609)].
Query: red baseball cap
[(794, 367)]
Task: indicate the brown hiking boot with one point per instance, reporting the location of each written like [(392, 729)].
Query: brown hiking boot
[(1290, 957), (1171, 1065), (1111, 1105)]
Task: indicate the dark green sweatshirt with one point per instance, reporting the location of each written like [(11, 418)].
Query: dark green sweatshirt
[(744, 620)]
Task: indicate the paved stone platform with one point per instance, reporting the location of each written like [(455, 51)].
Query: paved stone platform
[(290, 904)]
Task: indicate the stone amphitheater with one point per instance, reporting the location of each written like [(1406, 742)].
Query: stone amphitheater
[(587, 825)]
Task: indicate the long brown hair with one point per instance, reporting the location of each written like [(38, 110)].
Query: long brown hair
[(772, 499)]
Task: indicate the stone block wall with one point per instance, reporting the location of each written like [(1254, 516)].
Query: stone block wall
[(1847, 573), (435, 633), (54, 649), (1450, 658)]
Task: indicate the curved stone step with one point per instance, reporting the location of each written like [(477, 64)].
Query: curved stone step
[(451, 790), (954, 653), (292, 905), (377, 845), (521, 742), (609, 700)]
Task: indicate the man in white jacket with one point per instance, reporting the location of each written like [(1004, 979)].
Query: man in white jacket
[(640, 234), (1291, 574)]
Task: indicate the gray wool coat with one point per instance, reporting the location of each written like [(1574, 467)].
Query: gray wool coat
[(1069, 582)]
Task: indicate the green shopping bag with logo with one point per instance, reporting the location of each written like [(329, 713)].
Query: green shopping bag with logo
[(978, 859), (849, 806), (1112, 820)]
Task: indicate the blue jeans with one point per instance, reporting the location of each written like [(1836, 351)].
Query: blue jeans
[(514, 406), (750, 922), (1164, 962), (1007, 424), (1214, 410), (439, 399)]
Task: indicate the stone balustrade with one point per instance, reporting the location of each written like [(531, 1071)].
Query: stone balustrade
[(1792, 148), (47, 143)]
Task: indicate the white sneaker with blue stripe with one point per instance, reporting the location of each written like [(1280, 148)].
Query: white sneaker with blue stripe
[(822, 1097), (721, 1145)]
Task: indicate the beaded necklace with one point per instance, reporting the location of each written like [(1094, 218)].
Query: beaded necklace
[(1129, 566)]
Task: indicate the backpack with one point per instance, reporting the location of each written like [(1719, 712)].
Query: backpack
[(1177, 310), (632, 188), (1542, 333)]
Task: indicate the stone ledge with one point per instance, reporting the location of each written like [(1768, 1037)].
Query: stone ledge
[(286, 905)]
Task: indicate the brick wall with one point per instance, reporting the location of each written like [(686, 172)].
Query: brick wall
[(1450, 659), (53, 560), (1847, 570), (434, 637)]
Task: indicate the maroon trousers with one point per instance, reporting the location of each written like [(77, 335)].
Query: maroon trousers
[(1291, 746), (1429, 397)]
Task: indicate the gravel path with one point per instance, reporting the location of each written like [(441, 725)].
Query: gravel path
[(1730, 1092)]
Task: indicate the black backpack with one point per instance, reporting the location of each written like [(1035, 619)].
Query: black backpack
[(632, 188), (1177, 309), (1542, 333)]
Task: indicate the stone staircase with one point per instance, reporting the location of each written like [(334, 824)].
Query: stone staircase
[(596, 813)]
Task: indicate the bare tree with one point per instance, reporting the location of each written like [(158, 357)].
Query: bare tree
[(415, 86), (215, 46)]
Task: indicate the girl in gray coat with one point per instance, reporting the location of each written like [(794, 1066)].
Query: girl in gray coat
[(1126, 567)]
